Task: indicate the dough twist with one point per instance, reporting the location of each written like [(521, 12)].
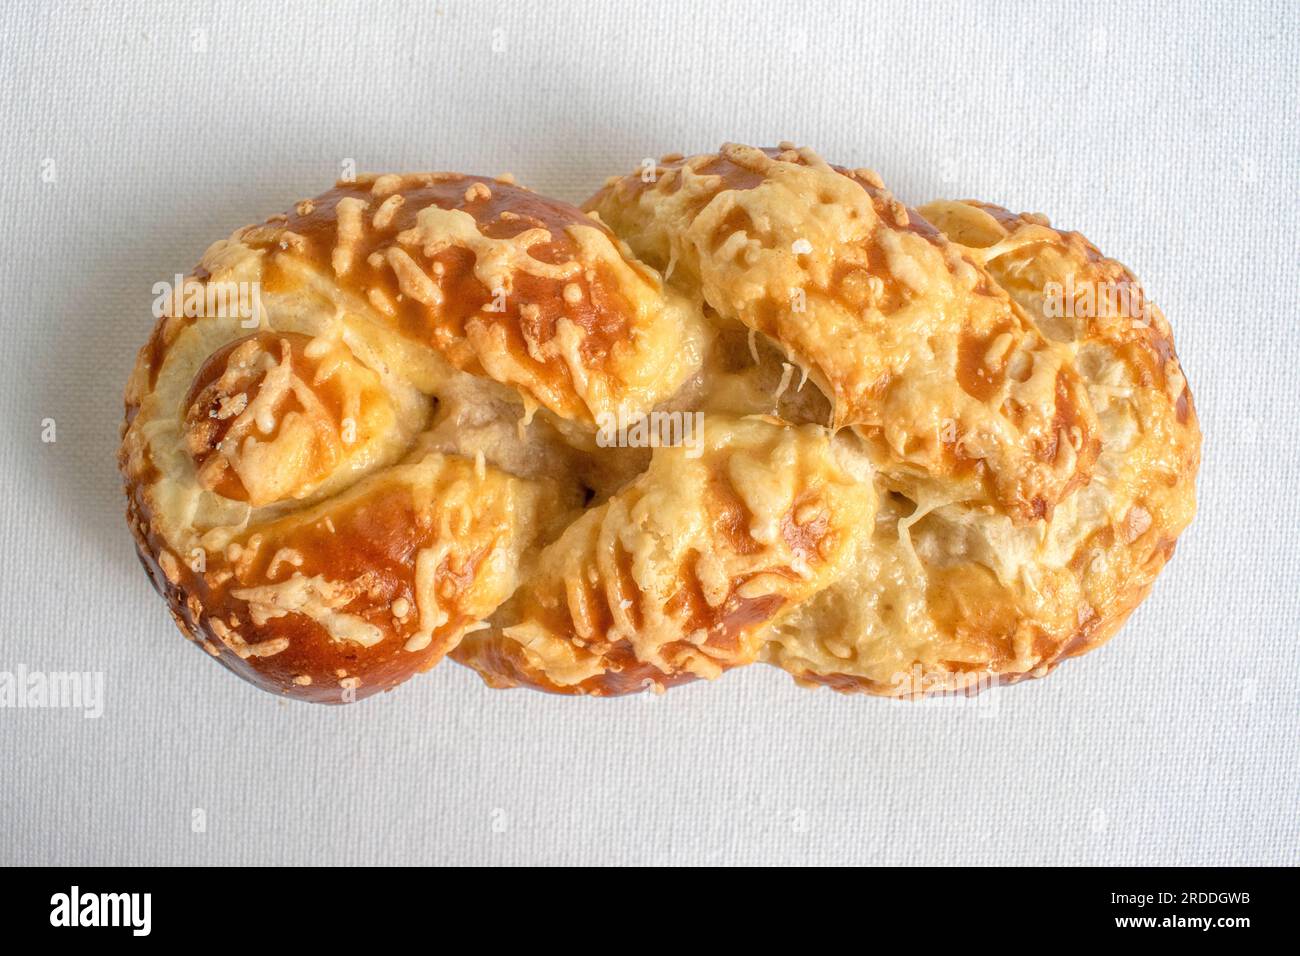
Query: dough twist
[(901, 451)]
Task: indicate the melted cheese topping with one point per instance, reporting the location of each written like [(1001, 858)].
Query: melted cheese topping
[(894, 322), (317, 598), (948, 593), (679, 573)]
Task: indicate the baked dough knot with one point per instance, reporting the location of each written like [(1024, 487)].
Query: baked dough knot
[(746, 407)]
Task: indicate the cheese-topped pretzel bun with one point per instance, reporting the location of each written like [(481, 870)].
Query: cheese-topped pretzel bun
[(354, 426), (1033, 441), (747, 407)]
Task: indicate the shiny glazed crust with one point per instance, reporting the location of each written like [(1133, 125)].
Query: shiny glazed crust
[(929, 457)]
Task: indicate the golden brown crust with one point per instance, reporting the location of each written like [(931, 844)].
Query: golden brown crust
[(353, 596), (925, 460)]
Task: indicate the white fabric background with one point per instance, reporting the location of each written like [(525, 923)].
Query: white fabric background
[(1167, 134)]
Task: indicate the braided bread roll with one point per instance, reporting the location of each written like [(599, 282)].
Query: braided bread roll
[(908, 473)]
